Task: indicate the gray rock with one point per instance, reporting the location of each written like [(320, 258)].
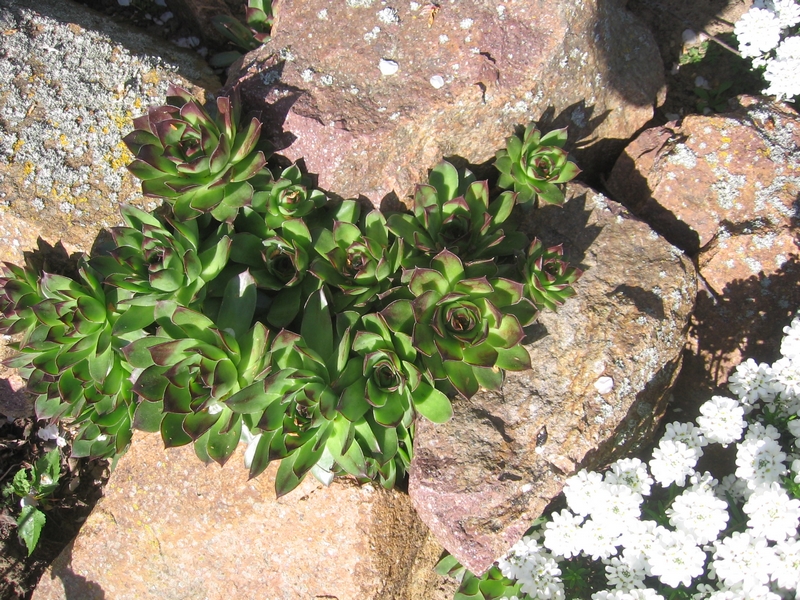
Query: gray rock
[(72, 81), (466, 75), (481, 479)]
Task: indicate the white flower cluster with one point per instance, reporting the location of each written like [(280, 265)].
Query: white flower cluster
[(730, 539), (762, 35)]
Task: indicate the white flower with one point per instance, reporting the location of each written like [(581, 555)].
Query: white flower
[(631, 472), (735, 487), (751, 382), (618, 505), (688, 434), (721, 420), (598, 540), (790, 345), (672, 462), (787, 11), (635, 594), (772, 514), (786, 570), (742, 558), (758, 31), (562, 534), (533, 567), (51, 432), (675, 558), (759, 461), (582, 490), (794, 428), (784, 82), (796, 470), (700, 514), (786, 372), (623, 575)]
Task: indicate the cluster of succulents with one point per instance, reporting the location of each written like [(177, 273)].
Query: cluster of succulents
[(251, 306)]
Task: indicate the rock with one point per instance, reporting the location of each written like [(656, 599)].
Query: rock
[(724, 188), (72, 81), (169, 527), (481, 479), (466, 76)]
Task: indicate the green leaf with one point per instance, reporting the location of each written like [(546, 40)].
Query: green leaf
[(172, 432), (21, 484), (447, 565), (238, 304), (251, 399), (516, 358), (285, 478), (29, 525), (431, 403), (444, 177), (261, 455), (148, 416), (317, 328), (224, 437), (462, 377)]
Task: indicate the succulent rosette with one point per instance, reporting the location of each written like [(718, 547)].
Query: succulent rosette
[(155, 262), (192, 365), (452, 211), (247, 36), (289, 197), (199, 164), (359, 262), (67, 354), (466, 329), (548, 277), (535, 165)]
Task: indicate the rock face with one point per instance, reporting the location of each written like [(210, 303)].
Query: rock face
[(72, 82), (725, 188), (373, 96), (170, 528), (481, 479)]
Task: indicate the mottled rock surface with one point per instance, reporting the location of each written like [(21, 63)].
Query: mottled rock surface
[(71, 82), (725, 188), (171, 528), (479, 480), (373, 95)]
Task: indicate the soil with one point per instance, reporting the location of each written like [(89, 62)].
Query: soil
[(688, 33)]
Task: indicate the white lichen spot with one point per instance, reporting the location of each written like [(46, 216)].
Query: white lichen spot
[(307, 75), (371, 36), (466, 23), (286, 54), (727, 187), (764, 241), (443, 39), (38, 203), (683, 156), (388, 67), (780, 260), (604, 385), (394, 116), (323, 14), (437, 81), (66, 207), (270, 77), (501, 11), (413, 6), (752, 264), (326, 80), (526, 488), (389, 16), (730, 263), (354, 90), (359, 3)]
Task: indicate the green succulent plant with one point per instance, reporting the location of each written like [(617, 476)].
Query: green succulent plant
[(466, 328), (157, 260), (452, 212), (290, 196), (246, 36), (535, 165), (199, 164), (186, 371), (359, 262), (548, 277), (67, 353)]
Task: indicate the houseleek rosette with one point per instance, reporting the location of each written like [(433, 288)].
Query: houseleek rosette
[(452, 212), (68, 353), (192, 365), (535, 165), (548, 277), (359, 262), (197, 162), (155, 262), (290, 196), (466, 329)]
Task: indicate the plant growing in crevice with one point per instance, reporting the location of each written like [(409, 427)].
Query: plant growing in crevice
[(245, 36), (250, 306)]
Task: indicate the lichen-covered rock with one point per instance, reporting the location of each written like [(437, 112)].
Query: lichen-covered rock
[(170, 528), (71, 82), (481, 479), (725, 188), (372, 95)]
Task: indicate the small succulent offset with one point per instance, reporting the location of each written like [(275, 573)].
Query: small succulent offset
[(548, 278), (535, 165), (245, 36), (196, 162)]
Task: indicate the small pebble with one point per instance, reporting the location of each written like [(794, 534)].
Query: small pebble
[(389, 67), (437, 81), (604, 385)]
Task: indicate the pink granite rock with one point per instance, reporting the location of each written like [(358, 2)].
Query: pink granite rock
[(725, 188), (372, 95), (170, 527), (479, 480)]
